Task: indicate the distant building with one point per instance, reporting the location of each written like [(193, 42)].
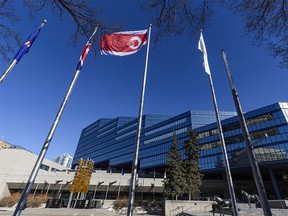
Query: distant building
[(5, 145), (64, 160)]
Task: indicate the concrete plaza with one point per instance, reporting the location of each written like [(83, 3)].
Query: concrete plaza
[(105, 212), (58, 212)]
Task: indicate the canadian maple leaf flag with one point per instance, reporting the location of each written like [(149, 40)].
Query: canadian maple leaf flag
[(123, 43)]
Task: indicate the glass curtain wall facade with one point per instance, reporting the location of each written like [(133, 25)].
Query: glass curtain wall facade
[(110, 142), (156, 140), (268, 128), (270, 120)]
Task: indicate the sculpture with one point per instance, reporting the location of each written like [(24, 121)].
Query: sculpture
[(220, 204), (250, 198)]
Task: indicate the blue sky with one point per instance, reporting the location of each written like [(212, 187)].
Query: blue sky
[(110, 86)]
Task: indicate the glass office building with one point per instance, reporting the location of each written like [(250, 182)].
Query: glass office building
[(110, 143), (268, 129), (156, 140)]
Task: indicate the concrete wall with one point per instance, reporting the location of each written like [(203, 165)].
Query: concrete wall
[(108, 203), (4, 190), (16, 166), (279, 204), (174, 207), (20, 161)]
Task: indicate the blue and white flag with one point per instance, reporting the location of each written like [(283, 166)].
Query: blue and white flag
[(28, 43)]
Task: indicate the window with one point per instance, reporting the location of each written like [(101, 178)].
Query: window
[(44, 167), (161, 137), (166, 126)]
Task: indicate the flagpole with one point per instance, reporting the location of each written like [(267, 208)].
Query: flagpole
[(202, 48), (14, 62), (249, 149), (46, 144), (138, 134), (8, 70), (226, 161)]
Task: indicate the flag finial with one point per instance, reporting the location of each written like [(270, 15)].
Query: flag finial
[(43, 23)]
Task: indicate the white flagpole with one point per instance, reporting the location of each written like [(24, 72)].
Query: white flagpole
[(8, 70), (226, 161), (46, 144), (14, 62), (138, 134), (249, 149)]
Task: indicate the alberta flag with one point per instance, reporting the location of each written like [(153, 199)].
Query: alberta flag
[(123, 43), (28, 43)]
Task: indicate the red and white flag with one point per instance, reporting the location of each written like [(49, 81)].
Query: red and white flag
[(123, 43)]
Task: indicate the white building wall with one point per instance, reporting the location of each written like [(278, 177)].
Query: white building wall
[(16, 166)]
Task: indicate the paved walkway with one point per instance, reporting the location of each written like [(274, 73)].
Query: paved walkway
[(59, 212), (105, 212), (245, 212)]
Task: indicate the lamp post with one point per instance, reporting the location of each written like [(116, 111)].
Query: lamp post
[(56, 183), (110, 183), (44, 186), (61, 189), (99, 183), (35, 189), (47, 190)]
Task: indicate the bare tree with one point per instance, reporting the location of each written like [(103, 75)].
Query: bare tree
[(8, 35), (267, 21), (83, 14), (178, 17)]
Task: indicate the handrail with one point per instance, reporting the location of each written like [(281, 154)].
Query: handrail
[(208, 206), (178, 207), (190, 208)]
